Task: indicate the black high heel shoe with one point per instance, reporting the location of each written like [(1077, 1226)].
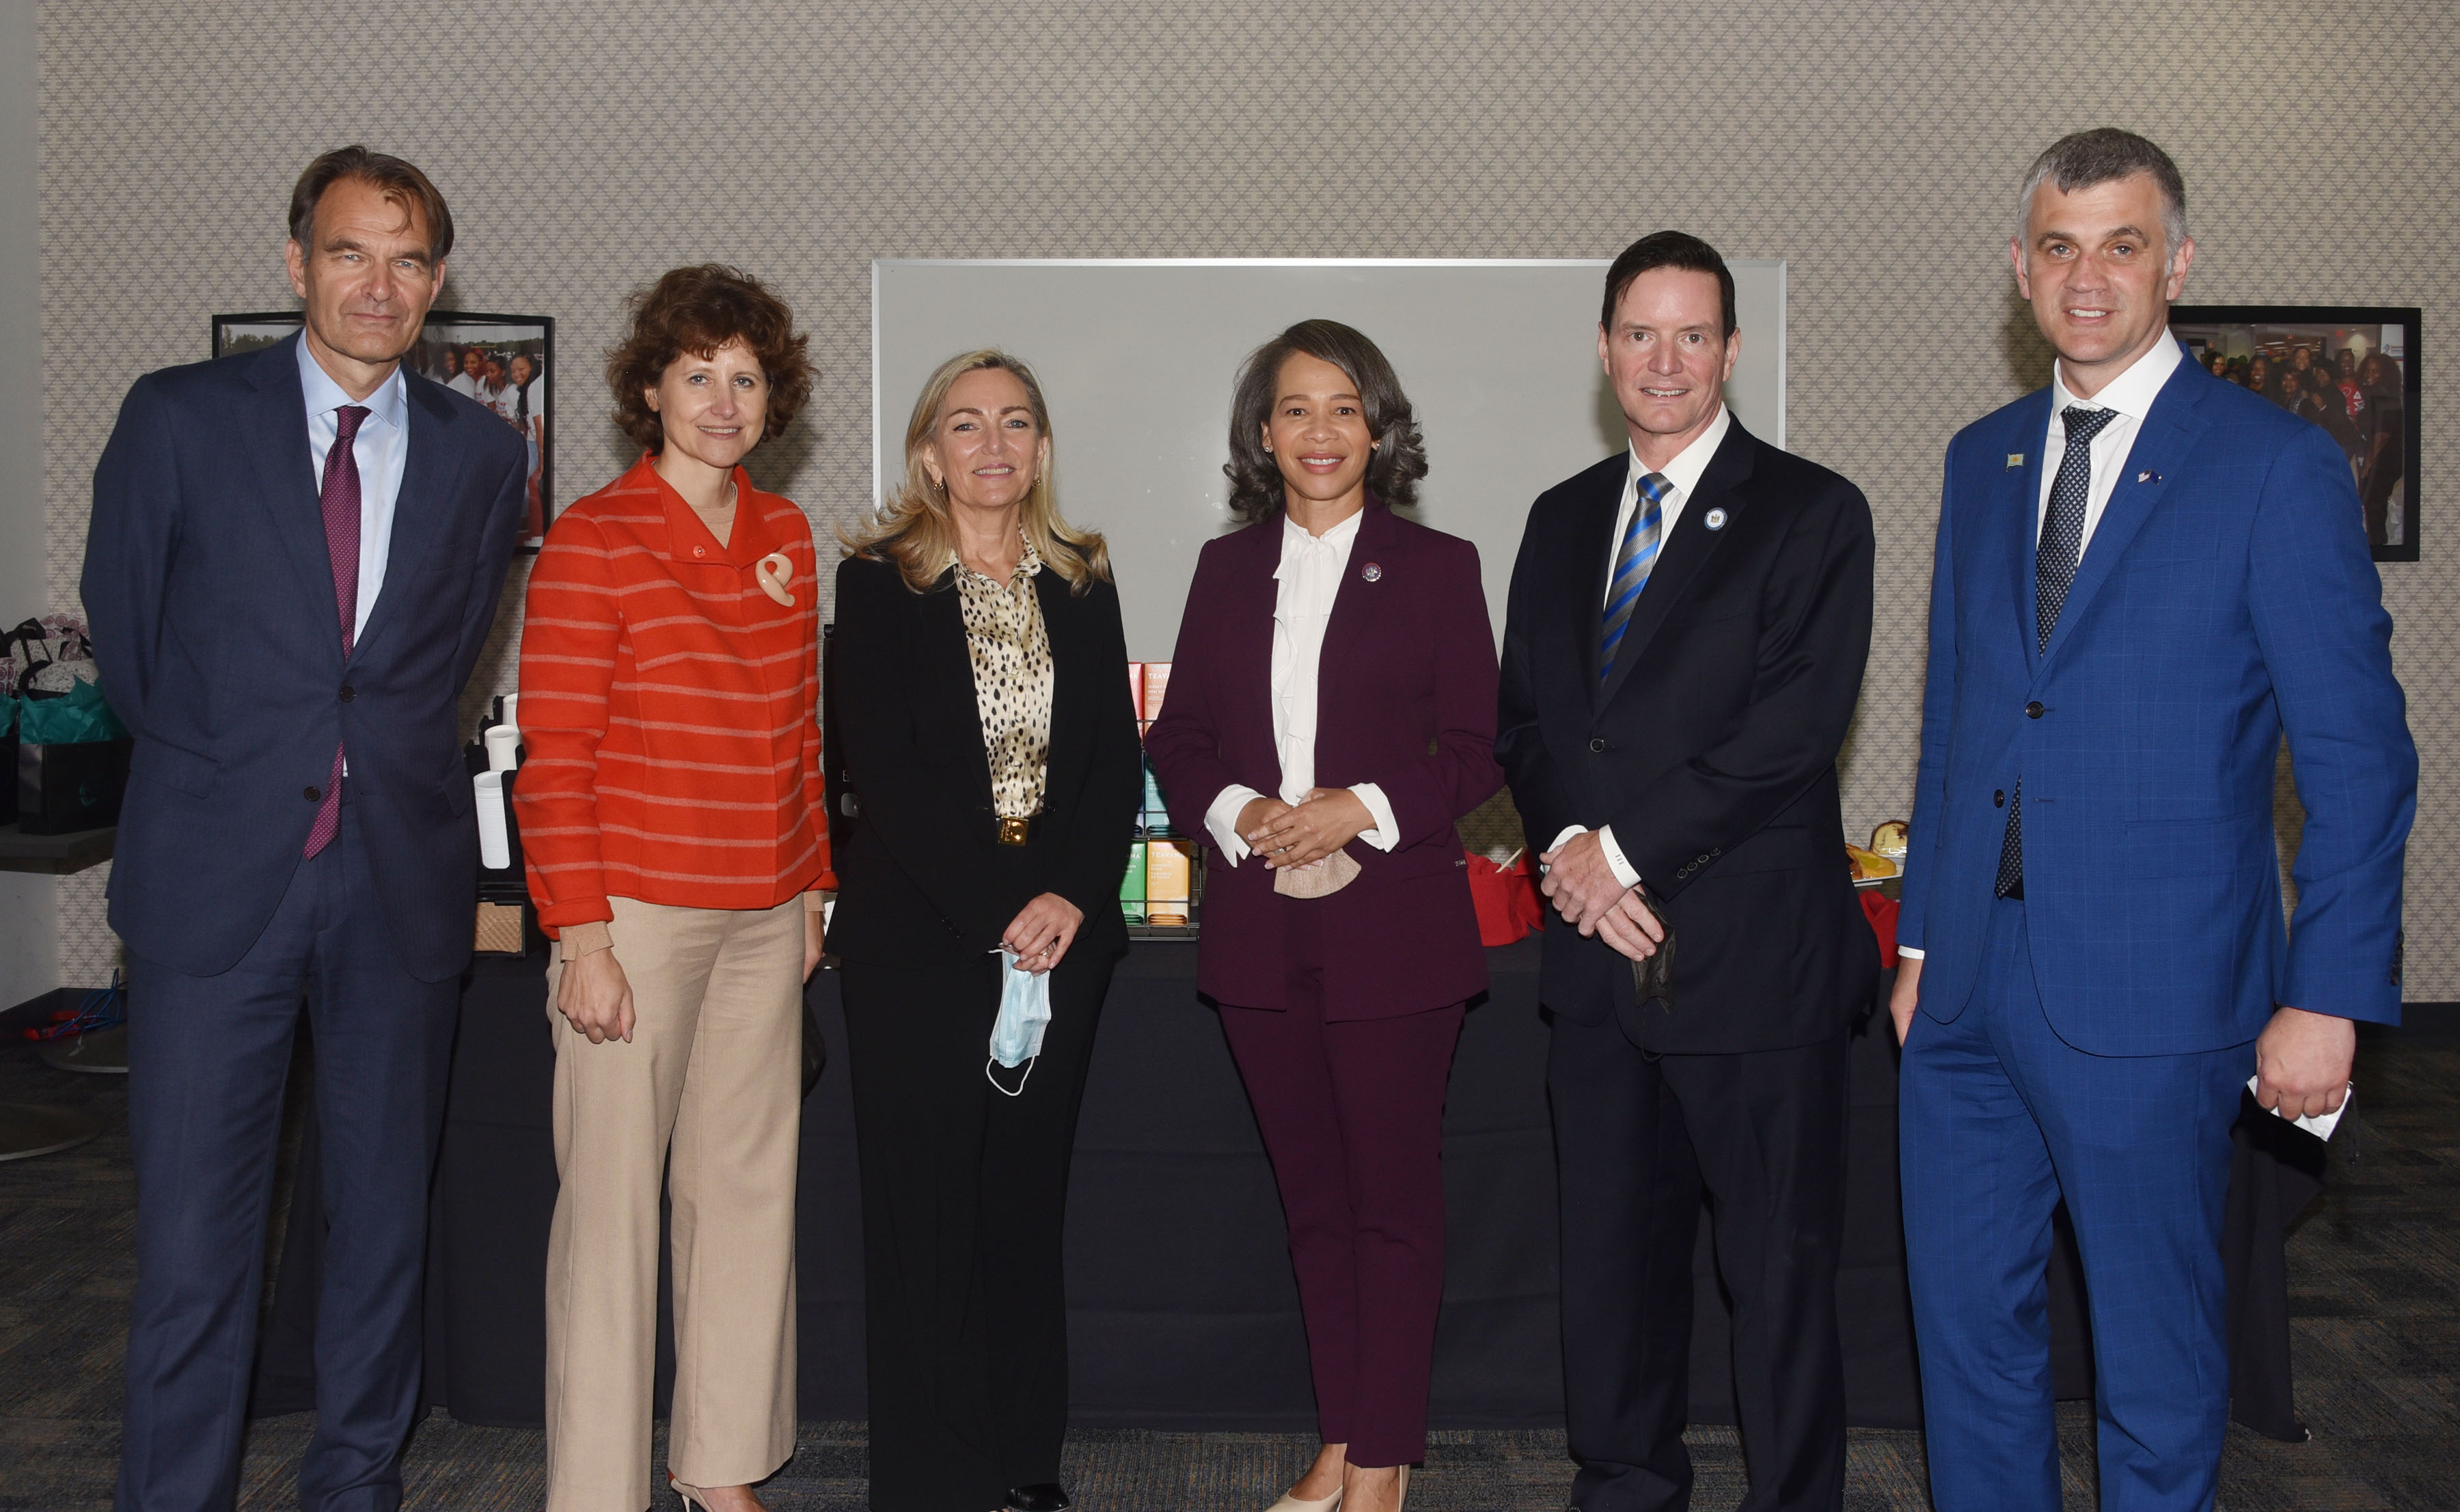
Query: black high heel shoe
[(1044, 1496)]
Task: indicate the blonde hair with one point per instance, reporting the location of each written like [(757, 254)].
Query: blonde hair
[(912, 528)]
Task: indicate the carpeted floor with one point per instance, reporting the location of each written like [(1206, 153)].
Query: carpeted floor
[(2374, 1273)]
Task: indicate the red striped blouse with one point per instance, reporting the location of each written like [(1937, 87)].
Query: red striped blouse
[(669, 707)]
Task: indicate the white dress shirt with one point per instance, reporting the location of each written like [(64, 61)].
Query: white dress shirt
[(1682, 477), (2132, 394), (381, 449), (1309, 579)]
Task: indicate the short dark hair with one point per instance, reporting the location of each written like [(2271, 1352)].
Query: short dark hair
[(400, 182), (1400, 456), (2082, 160), (698, 309), (1674, 249)]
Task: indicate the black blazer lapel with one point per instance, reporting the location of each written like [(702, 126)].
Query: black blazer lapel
[(1595, 531), (1071, 713), (274, 428), (422, 510), (1685, 552), (944, 662)]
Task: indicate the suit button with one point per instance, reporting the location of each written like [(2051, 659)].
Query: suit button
[(2033, 711), (1999, 798), (313, 794), (1599, 744), (348, 693)]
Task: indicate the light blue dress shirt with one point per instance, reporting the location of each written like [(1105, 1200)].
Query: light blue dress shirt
[(381, 449)]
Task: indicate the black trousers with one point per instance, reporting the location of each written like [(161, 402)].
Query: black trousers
[(1638, 1136), (964, 1190)]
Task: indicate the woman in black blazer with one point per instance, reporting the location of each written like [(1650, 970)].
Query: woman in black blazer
[(982, 701)]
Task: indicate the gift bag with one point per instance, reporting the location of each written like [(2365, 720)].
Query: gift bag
[(1506, 899)]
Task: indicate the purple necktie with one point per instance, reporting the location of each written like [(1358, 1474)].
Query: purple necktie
[(341, 500)]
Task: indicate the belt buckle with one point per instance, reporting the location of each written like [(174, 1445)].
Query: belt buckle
[(1011, 832)]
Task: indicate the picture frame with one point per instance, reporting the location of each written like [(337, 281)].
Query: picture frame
[(2365, 396), (449, 344)]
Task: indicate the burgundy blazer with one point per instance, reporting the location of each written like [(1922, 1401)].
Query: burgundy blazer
[(1408, 702)]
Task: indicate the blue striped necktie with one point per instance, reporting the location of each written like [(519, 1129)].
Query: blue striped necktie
[(1633, 559)]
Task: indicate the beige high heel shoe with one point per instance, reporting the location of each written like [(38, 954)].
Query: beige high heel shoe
[(691, 1494), (1291, 1504)]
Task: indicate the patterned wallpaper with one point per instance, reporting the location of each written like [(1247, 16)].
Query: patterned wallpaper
[(588, 144)]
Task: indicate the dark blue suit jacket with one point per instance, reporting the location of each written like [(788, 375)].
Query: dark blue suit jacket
[(2226, 596), (210, 593)]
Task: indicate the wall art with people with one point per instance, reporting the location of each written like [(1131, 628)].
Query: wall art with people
[(2353, 371)]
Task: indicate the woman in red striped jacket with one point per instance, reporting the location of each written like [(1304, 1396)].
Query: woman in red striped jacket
[(677, 847)]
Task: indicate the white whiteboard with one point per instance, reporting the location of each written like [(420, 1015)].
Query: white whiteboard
[(1137, 357)]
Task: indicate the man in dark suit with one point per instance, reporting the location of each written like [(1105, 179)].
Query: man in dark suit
[(2145, 578), (294, 559), (1670, 721)]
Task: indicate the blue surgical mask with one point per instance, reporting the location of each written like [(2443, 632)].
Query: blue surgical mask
[(1023, 1014)]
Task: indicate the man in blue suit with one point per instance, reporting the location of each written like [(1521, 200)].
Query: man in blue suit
[(2144, 578), (294, 559)]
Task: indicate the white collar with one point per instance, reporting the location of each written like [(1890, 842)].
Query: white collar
[(1295, 535), (1683, 472), (389, 405), (2131, 392)]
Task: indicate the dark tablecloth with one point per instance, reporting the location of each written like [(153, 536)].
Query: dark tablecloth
[(1183, 1311)]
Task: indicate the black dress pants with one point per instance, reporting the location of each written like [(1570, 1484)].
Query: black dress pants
[(1638, 1136), (964, 1190)]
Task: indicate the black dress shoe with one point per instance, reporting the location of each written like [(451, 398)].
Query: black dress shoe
[(1048, 1495)]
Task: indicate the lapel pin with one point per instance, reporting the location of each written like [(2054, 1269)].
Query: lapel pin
[(1372, 571), (2015, 459), (1714, 520), (2147, 477)]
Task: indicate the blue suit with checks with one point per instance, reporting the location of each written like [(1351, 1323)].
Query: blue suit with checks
[(2088, 1039)]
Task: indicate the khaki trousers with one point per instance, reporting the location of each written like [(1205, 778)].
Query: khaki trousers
[(709, 1093)]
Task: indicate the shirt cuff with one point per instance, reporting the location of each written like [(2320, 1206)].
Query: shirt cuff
[(584, 939), (1908, 953), (1624, 871), (1385, 833), (1221, 822)]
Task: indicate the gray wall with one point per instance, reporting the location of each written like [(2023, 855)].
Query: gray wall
[(30, 935), (1873, 144)]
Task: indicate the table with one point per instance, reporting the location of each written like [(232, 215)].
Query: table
[(1183, 1311)]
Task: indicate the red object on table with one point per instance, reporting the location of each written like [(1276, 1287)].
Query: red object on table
[(1506, 899), (1881, 912)]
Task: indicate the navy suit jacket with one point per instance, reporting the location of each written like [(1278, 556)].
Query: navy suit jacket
[(1710, 749), (1405, 696), (2226, 596), (210, 593)]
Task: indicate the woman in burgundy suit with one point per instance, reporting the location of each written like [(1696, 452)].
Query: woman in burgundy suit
[(1331, 713)]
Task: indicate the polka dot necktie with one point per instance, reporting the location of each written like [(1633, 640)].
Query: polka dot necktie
[(1633, 559), (340, 498), (2054, 570)]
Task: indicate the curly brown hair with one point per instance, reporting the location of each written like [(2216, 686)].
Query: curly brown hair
[(1400, 453), (697, 310)]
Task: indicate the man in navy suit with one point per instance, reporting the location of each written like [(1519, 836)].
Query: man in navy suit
[(2144, 578), (294, 559), (1670, 719)]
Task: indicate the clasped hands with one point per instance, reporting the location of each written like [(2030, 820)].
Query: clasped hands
[(1294, 835), (1583, 888)]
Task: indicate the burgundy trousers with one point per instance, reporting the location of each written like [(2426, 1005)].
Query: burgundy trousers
[(1351, 1112)]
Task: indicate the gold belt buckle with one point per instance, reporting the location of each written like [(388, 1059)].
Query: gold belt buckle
[(1011, 832)]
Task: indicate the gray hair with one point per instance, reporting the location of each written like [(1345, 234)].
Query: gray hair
[(2085, 158)]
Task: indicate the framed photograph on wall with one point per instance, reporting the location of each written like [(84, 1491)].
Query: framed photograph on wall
[(2351, 369), (504, 362)]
